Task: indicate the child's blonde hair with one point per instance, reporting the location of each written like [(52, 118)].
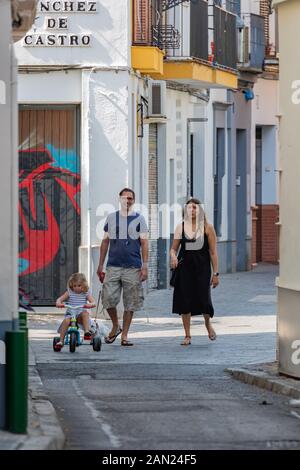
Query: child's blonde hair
[(78, 277)]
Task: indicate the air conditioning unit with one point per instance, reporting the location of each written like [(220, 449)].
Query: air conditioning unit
[(157, 99)]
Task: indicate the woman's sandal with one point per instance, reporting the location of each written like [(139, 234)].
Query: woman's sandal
[(124, 342), (212, 336), (186, 341)]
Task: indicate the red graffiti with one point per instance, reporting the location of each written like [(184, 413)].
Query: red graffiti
[(71, 192), (41, 241), (42, 245)]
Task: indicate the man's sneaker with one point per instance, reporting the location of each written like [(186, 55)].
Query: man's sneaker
[(87, 335)]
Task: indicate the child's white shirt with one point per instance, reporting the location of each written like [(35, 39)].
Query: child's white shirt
[(77, 300)]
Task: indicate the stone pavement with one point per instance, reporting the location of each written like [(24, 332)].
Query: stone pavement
[(245, 322)]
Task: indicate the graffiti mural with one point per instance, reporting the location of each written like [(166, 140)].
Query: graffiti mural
[(49, 203)]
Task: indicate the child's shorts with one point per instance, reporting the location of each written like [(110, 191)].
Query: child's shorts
[(73, 312)]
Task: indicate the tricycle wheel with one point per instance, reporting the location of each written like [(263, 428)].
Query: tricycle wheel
[(73, 341), (97, 343)]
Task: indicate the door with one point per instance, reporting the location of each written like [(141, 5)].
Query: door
[(258, 193), (241, 199), (192, 165), (49, 200), (218, 178)]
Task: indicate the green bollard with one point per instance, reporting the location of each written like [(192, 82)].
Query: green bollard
[(23, 327), (17, 381), (22, 320)]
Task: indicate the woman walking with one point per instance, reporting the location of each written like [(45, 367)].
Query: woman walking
[(197, 241)]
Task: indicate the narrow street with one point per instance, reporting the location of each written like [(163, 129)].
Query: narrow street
[(137, 134), (161, 395)]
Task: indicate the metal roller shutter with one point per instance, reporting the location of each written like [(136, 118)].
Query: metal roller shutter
[(153, 201)]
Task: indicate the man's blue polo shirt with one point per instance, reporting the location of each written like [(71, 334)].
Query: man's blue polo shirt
[(124, 234)]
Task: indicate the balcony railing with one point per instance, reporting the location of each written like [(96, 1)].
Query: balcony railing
[(234, 6), (192, 26), (252, 47), (197, 29), (224, 47), (165, 36), (150, 27)]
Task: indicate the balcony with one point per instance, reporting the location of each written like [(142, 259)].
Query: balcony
[(252, 47), (148, 60), (175, 41), (192, 63), (271, 61), (150, 36)]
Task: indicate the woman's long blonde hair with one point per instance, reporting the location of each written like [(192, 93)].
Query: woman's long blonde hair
[(78, 277), (193, 200)]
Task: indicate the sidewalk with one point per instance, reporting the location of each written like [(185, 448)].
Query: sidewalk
[(44, 431), (266, 376)]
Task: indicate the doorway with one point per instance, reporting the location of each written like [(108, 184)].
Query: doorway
[(241, 199), (49, 199)]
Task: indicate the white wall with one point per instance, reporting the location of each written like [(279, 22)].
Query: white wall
[(105, 145), (265, 113), (289, 280), (249, 6), (104, 129), (50, 87), (105, 140), (182, 24), (177, 114), (265, 103), (110, 40), (105, 137), (142, 146), (8, 181), (269, 175), (273, 28), (180, 107), (220, 96), (111, 154)]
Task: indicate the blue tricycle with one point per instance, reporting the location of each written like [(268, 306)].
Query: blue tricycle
[(73, 338)]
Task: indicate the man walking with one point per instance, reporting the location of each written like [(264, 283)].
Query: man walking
[(126, 238)]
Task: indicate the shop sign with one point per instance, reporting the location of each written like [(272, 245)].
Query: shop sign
[(58, 17)]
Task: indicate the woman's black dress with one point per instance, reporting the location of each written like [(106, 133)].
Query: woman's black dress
[(192, 285)]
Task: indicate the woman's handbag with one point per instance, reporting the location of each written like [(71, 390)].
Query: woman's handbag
[(174, 273)]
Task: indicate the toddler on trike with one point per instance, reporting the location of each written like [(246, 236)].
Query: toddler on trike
[(79, 300)]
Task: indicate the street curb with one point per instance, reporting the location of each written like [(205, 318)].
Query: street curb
[(263, 379), (44, 430)]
